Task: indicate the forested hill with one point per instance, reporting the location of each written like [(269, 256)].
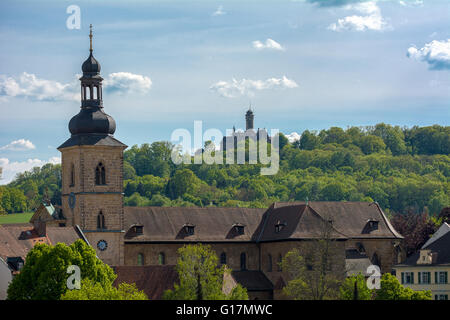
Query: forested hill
[(403, 169)]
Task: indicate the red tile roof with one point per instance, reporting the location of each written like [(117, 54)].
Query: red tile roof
[(153, 280)]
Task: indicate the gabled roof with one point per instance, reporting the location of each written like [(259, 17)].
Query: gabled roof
[(348, 218), (210, 224), (441, 246), (17, 239), (153, 280), (282, 221), (46, 212), (443, 229), (252, 280), (297, 221)]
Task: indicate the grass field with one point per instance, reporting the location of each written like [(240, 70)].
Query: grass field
[(16, 218)]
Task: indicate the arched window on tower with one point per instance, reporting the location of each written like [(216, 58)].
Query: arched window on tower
[(72, 175), (101, 221), (100, 174)]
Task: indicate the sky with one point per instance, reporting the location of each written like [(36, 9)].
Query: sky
[(303, 64)]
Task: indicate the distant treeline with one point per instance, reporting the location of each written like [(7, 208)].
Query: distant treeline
[(403, 169)]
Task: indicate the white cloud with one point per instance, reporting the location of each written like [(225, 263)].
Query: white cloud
[(125, 82), (31, 87), (10, 169), (19, 145), (219, 12), (293, 136), (371, 20), (247, 87), (269, 44), (436, 54)]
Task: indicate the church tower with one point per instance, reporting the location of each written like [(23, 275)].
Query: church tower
[(92, 170), (249, 116)]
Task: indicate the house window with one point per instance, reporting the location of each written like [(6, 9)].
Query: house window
[(243, 261), (223, 258), (424, 278), (140, 259), (101, 221), (269, 262), (407, 277), (100, 174), (162, 258), (441, 297), (441, 277)]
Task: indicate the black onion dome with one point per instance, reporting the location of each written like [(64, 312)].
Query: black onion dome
[(91, 65), (92, 120)]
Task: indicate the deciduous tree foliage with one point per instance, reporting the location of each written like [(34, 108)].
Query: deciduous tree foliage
[(315, 270), (200, 277), (347, 289), (391, 289), (44, 275), (91, 290), (403, 169)]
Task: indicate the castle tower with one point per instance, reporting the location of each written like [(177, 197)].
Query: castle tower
[(92, 170), (249, 116)]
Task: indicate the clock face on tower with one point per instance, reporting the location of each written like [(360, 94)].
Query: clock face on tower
[(102, 245)]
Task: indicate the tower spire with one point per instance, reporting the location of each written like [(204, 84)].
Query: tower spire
[(90, 37)]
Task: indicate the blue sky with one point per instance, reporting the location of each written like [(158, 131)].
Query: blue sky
[(303, 64)]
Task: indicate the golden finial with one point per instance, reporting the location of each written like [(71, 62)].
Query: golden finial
[(90, 37)]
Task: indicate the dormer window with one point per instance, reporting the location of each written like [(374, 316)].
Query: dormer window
[(279, 226), (138, 230), (189, 229), (238, 228), (371, 225)]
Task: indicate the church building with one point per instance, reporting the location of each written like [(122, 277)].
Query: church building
[(250, 241)]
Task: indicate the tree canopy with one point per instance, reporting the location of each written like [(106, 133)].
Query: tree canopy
[(200, 277), (44, 275), (403, 169)]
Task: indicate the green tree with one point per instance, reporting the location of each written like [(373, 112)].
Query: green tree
[(200, 277), (315, 271), (391, 289), (347, 289), (91, 290), (44, 274), (183, 181)]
